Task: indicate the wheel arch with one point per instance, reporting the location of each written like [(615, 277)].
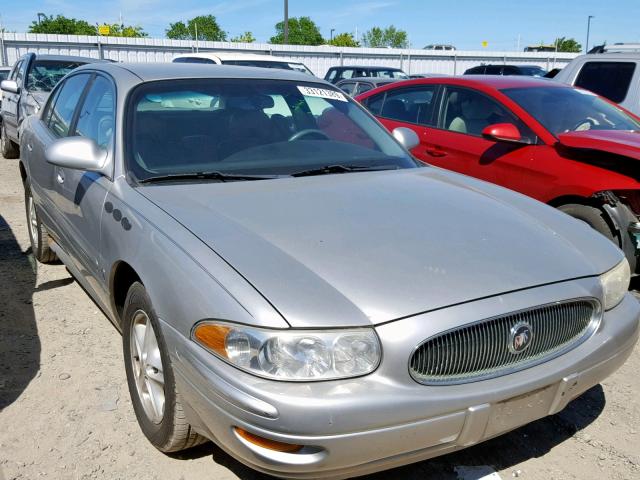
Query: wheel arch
[(122, 276)]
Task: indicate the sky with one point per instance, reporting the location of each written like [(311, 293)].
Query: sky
[(464, 23)]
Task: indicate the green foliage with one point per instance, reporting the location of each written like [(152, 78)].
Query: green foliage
[(246, 37), (344, 40), (117, 30), (62, 25), (568, 45), (388, 37), (302, 31), (208, 29)]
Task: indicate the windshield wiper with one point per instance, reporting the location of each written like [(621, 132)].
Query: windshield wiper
[(341, 169), (223, 177)]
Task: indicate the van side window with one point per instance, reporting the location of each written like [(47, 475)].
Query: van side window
[(609, 79)]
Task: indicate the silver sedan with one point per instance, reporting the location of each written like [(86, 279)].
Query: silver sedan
[(291, 284)]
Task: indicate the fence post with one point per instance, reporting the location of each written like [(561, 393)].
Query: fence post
[(100, 53), (341, 59), (455, 64), (409, 62)]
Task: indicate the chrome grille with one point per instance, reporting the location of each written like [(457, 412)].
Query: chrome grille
[(482, 350)]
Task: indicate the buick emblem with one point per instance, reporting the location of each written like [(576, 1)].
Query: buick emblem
[(520, 338)]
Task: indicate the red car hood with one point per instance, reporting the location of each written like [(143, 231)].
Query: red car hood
[(619, 142)]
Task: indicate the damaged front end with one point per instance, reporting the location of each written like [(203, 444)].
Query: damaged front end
[(622, 209)]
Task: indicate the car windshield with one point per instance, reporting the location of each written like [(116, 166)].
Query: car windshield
[(562, 110), (252, 127), (45, 74), (298, 67)]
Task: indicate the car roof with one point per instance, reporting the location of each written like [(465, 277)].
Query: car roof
[(70, 58), (604, 56), (368, 67), (479, 82), (368, 79), (163, 71), (234, 56)]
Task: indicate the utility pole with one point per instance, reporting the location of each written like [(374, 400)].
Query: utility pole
[(331, 34), (2, 60), (40, 14), (586, 48), (286, 22)]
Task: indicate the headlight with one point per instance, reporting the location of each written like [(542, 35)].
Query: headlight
[(615, 284), (294, 355)]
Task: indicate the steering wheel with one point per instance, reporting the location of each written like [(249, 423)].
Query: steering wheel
[(307, 132), (584, 124)]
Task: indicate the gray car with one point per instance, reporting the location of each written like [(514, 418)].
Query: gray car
[(292, 285), (25, 90)]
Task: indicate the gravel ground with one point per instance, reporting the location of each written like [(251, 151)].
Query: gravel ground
[(65, 411)]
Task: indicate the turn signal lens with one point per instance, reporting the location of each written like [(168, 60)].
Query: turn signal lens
[(267, 443), (213, 337)]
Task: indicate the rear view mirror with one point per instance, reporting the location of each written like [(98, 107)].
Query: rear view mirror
[(79, 153), (407, 137), (10, 86), (503, 132)]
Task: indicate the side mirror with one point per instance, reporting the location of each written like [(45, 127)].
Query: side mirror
[(79, 153), (407, 137), (10, 86), (503, 132)]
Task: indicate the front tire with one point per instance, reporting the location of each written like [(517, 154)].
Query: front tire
[(7, 147), (592, 216), (156, 401), (38, 234)]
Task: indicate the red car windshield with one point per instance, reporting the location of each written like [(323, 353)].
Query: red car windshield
[(562, 110)]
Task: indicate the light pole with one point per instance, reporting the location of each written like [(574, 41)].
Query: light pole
[(286, 22), (331, 35), (586, 48), (40, 15)]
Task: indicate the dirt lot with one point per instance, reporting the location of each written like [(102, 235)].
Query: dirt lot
[(65, 411)]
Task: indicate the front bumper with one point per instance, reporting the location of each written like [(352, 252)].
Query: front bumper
[(383, 420)]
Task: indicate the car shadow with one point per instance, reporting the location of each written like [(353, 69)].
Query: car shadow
[(19, 341), (501, 453)]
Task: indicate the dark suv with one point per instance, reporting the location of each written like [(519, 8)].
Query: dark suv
[(527, 70), (335, 74)]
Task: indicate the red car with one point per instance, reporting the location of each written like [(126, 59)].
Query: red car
[(561, 145)]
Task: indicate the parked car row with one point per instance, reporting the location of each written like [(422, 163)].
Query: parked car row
[(293, 283)]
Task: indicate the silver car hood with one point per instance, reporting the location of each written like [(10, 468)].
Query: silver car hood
[(366, 248)]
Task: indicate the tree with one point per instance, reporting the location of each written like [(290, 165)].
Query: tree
[(344, 40), (207, 25), (246, 37), (387, 37), (117, 30), (302, 31), (62, 25), (568, 45)]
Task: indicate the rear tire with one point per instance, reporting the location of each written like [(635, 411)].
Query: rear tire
[(7, 147), (152, 387), (38, 234), (592, 216)]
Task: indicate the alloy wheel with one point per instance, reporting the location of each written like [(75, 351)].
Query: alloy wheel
[(147, 366)]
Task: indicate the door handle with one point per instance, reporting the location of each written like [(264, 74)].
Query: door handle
[(29, 147), (436, 152), (60, 176)]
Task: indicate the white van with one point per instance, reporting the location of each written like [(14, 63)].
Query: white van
[(241, 59), (613, 74)]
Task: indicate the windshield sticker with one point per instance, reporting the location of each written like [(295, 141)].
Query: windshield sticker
[(322, 93)]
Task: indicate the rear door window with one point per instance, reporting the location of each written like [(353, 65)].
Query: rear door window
[(348, 87), (363, 87), (609, 79), (411, 105)]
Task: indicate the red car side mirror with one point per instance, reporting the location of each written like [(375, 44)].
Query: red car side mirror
[(503, 132)]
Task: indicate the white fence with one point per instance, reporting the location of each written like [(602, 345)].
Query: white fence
[(318, 59)]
